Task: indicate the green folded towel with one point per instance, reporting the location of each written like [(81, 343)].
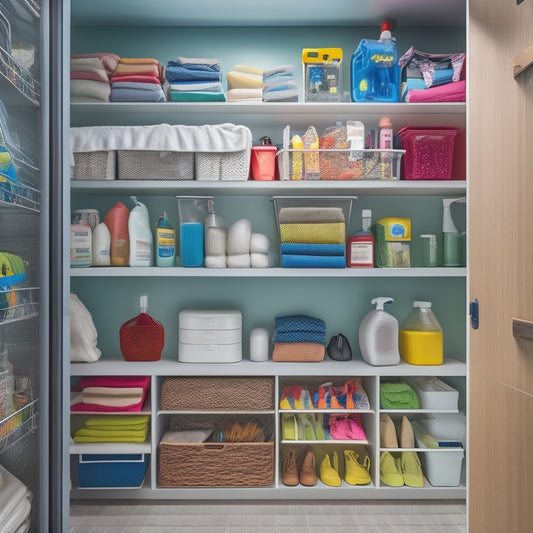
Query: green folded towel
[(90, 435), (398, 396), (117, 420)]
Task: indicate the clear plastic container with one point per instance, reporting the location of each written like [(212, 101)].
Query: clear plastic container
[(421, 338)]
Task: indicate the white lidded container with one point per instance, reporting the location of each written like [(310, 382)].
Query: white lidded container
[(378, 335), (210, 336)]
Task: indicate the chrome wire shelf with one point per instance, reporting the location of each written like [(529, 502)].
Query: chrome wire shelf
[(18, 425), (20, 304), (14, 194), (19, 77)]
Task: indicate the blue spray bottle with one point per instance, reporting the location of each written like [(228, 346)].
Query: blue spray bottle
[(375, 74), (166, 242)]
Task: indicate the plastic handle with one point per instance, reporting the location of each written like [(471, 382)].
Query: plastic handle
[(144, 303), (381, 301)]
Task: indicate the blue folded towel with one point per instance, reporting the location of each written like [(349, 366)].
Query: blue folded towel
[(312, 261), (134, 92), (301, 336), (174, 72), (298, 248), (299, 323)]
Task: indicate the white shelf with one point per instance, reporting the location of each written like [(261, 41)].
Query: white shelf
[(356, 367), (171, 272), (262, 188)]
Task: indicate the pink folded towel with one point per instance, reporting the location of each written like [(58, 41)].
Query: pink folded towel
[(136, 78), (109, 60), (450, 92), (112, 381), (86, 75), (298, 352)]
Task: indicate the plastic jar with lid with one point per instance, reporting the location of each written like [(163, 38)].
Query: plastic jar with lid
[(420, 337)]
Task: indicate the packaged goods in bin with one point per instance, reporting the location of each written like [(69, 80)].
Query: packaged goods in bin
[(322, 74), (142, 337), (312, 230), (428, 152)]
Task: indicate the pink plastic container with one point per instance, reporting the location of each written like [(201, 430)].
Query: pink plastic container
[(263, 161), (428, 153)]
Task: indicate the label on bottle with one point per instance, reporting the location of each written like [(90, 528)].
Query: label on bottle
[(166, 242), (361, 254)]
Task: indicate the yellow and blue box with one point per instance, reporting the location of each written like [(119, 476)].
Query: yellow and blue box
[(322, 74), (393, 237)]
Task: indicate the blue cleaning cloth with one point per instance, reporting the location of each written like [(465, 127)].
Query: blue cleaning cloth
[(312, 261), (301, 336), (298, 248), (174, 72), (299, 323)]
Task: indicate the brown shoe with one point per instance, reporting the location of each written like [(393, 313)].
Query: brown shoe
[(289, 475), (407, 437), (307, 470)]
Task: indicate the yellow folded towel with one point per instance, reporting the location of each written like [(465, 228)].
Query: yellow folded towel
[(330, 233), (242, 80), (117, 420), (85, 432), (249, 69)]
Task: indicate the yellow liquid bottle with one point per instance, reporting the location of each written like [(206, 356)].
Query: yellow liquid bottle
[(420, 337)]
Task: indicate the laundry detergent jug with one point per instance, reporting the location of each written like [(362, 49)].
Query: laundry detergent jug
[(375, 74), (421, 339)]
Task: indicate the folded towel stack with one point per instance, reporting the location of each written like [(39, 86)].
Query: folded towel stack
[(194, 79), (312, 237), (110, 394), (299, 338), (245, 83), (15, 503), (398, 395), (432, 77), (138, 80), (279, 85), (105, 428), (89, 76)]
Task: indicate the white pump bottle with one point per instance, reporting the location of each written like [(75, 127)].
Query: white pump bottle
[(378, 335)]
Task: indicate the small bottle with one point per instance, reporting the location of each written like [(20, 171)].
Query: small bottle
[(166, 242), (360, 247), (378, 335), (385, 133), (421, 339), (7, 386), (101, 245), (80, 243), (116, 219)]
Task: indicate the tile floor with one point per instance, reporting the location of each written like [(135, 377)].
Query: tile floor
[(369, 516)]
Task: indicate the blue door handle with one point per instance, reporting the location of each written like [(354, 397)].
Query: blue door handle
[(474, 314)]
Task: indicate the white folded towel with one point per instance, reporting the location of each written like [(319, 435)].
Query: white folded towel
[(238, 261), (258, 260), (259, 243), (83, 334), (215, 261)]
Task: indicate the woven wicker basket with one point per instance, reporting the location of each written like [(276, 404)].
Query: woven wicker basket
[(94, 166), (154, 165), (217, 394), (216, 465), (225, 166)]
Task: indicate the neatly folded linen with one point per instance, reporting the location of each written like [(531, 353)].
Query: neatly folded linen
[(299, 322), (310, 214), (243, 80), (197, 96), (312, 261), (245, 95), (450, 92), (205, 86), (109, 60), (136, 78), (298, 352), (298, 248), (398, 395), (175, 72), (137, 69), (199, 63), (100, 75), (187, 435), (137, 92), (325, 233), (112, 381), (97, 90), (139, 61)]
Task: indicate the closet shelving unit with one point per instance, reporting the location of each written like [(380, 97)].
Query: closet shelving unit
[(340, 296)]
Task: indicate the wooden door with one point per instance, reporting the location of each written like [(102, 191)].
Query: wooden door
[(500, 195)]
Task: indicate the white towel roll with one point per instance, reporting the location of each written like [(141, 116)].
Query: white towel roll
[(258, 260), (215, 261), (238, 261), (259, 243), (239, 237)]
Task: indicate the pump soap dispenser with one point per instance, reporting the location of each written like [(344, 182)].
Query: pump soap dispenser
[(378, 335)]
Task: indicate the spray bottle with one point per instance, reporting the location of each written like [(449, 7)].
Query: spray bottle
[(450, 234)]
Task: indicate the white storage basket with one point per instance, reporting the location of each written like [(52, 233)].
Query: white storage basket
[(155, 165), (94, 166), (226, 166)]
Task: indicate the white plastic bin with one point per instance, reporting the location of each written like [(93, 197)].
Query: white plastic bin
[(434, 393)]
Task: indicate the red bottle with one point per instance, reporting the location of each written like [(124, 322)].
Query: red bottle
[(360, 247)]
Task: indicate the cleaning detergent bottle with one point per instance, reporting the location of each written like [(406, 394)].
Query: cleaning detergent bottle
[(421, 339), (378, 335), (451, 238), (101, 245), (116, 220), (166, 242), (360, 247), (375, 73), (140, 235)]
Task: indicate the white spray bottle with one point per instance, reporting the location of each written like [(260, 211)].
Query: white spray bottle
[(378, 335), (141, 238), (450, 235)]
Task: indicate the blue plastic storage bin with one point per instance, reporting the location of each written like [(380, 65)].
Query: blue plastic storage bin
[(112, 470)]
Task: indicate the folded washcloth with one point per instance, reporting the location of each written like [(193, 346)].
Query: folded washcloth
[(450, 92), (298, 352), (117, 421), (148, 69), (203, 86), (398, 395), (199, 63), (310, 214), (244, 80), (136, 434), (312, 261), (122, 397), (326, 233), (299, 322), (297, 248), (137, 92), (175, 72), (300, 336), (108, 59), (215, 261), (136, 78), (238, 261), (259, 260), (245, 95)]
